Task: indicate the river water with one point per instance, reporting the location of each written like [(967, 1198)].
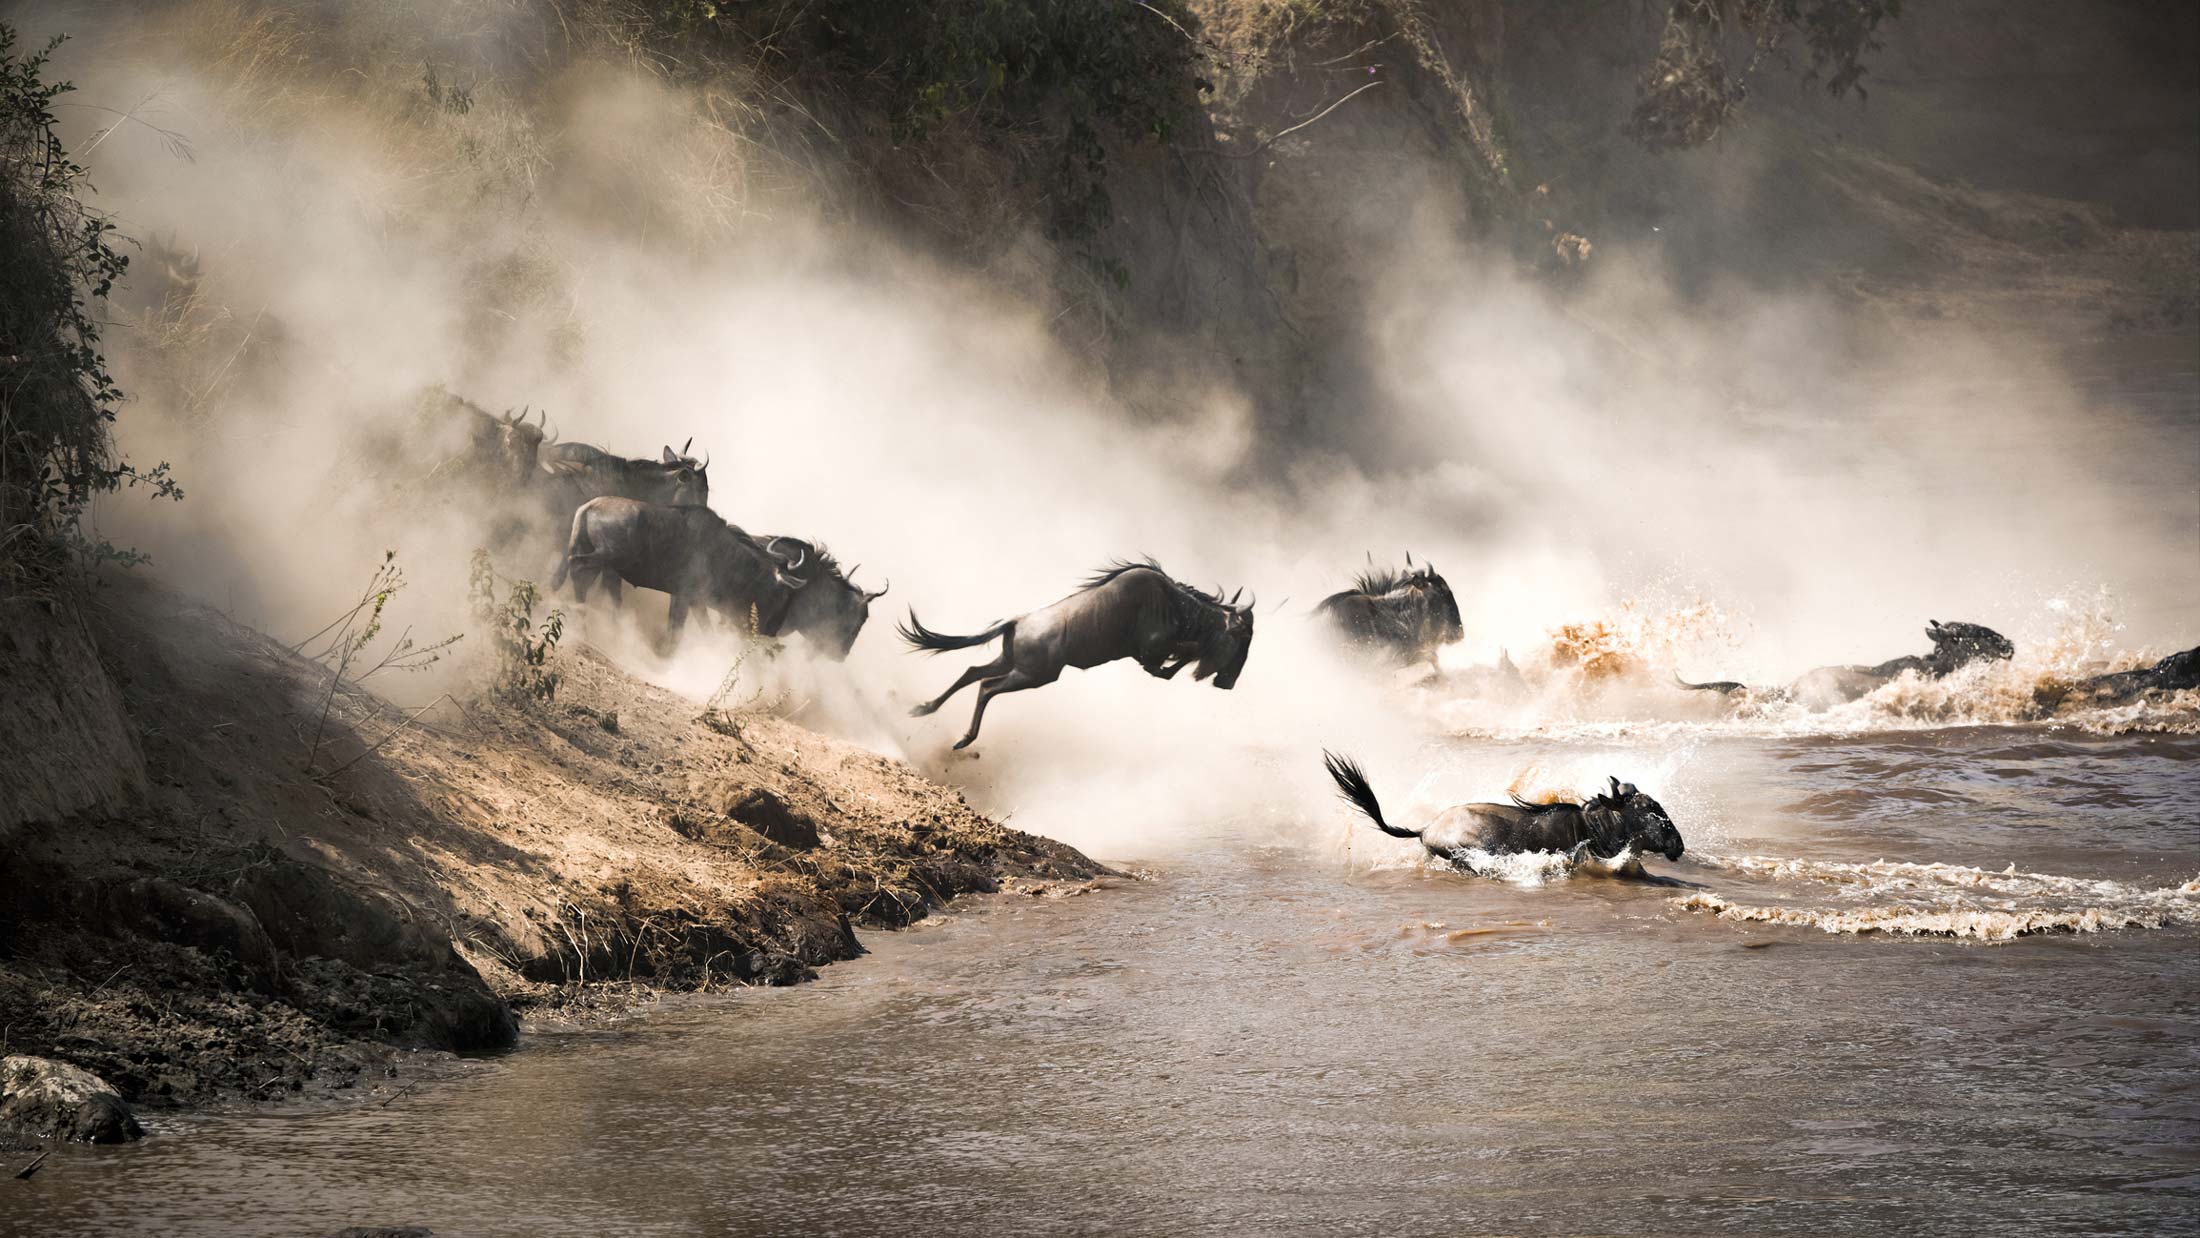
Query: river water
[(1308, 1030)]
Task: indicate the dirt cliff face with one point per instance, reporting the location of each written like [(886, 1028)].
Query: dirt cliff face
[(54, 702)]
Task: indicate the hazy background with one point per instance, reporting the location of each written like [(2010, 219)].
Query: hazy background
[(1741, 477)]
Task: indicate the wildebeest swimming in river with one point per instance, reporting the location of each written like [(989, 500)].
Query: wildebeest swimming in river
[(1955, 646), (1131, 610), (831, 609), (1405, 615), (2175, 673), (1603, 825), (687, 551)]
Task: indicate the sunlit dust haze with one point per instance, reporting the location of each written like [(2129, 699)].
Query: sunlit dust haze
[(1741, 484)]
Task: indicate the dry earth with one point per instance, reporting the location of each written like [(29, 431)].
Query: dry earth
[(238, 929)]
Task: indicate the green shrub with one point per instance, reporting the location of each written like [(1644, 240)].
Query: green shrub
[(57, 399), (1690, 93), (523, 647)]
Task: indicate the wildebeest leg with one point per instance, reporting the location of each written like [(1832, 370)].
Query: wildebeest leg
[(612, 583), (1014, 681), (675, 617), (974, 674), (1163, 667)]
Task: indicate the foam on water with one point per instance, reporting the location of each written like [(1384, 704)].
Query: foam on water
[(1946, 900)]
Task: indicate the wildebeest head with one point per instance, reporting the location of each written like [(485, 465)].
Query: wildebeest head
[(1443, 608), (690, 479), (1227, 641), (789, 559), (519, 444), (1956, 645), (832, 608), (1411, 612), (1623, 817)]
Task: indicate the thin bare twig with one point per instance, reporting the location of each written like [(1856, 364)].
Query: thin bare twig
[(1275, 138), (410, 718)]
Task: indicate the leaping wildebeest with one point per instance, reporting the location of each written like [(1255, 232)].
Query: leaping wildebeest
[(1955, 646), (687, 551), (1406, 615), (1130, 610), (1605, 824)]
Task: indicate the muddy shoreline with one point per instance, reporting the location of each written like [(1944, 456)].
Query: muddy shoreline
[(220, 926)]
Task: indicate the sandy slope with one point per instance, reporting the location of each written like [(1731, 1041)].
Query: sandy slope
[(244, 929)]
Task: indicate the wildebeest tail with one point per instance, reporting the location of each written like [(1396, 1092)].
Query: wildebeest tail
[(1727, 686), (921, 637), (1353, 785), (576, 543)]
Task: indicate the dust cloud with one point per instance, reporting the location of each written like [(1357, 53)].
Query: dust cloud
[(607, 247)]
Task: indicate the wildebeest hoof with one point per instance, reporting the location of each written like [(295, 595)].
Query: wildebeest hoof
[(965, 742), (921, 711)]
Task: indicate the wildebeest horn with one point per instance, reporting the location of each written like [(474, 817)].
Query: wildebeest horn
[(684, 446), (1235, 596), (704, 467), (1409, 558), (1615, 789), (550, 432), (873, 597)]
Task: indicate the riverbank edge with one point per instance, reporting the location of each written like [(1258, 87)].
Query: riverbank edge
[(224, 915)]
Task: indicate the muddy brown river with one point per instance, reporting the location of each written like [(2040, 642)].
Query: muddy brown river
[(1281, 1033)]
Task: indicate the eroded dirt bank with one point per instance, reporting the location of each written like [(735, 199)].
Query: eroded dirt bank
[(241, 930)]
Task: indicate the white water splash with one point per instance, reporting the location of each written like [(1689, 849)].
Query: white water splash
[(1534, 868), (1611, 680), (1948, 900)]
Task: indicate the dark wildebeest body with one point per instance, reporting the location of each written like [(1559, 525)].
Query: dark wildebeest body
[(1406, 615), (2175, 673), (1603, 825), (686, 551), (831, 609), (1131, 610), (578, 472), (1955, 646)]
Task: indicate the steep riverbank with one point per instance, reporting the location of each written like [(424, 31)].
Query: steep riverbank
[(224, 926)]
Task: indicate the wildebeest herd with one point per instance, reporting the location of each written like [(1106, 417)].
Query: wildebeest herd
[(647, 523)]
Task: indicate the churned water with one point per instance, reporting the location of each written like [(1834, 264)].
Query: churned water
[(1936, 982)]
